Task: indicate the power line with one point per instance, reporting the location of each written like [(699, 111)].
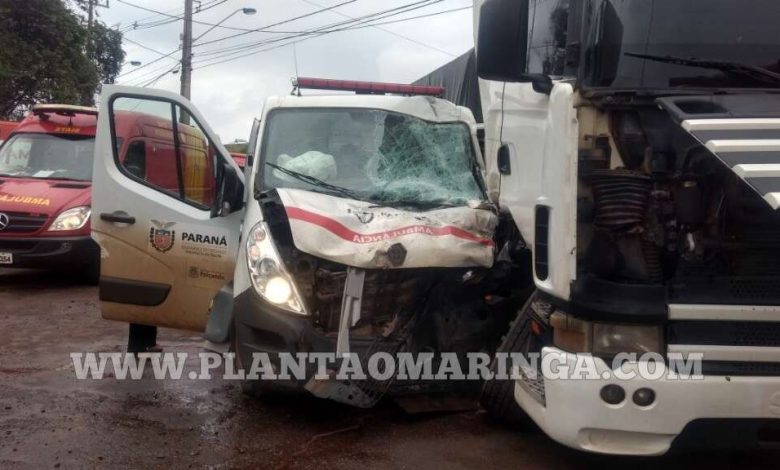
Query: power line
[(428, 15), (157, 78), (143, 47), (420, 43), (140, 79), (320, 31), (176, 17), (306, 36), (360, 20), (256, 30), (139, 23), (147, 64), (261, 29), (229, 54)]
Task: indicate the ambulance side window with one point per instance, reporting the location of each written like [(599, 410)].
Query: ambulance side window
[(166, 150)]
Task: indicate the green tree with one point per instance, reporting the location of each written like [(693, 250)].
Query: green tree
[(107, 53), (43, 56)]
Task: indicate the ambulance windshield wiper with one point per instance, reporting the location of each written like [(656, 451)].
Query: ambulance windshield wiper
[(756, 73), (315, 181)]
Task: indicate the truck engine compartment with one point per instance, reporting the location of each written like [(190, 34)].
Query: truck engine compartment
[(657, 211)]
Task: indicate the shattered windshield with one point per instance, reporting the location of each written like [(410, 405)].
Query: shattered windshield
[(378, 156), (48, 156)]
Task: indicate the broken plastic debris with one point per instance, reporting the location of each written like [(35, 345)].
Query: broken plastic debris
[(312, 163)]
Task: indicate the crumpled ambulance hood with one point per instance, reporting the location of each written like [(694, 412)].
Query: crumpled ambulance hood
[(360, 234)]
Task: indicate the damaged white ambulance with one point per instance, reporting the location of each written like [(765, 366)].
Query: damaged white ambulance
[(361, 225)]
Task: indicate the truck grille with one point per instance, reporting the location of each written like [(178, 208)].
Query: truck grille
[(725, 333), (729, 334), (22, 222)]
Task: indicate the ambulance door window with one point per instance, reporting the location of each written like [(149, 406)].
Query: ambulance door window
[(167, 150)]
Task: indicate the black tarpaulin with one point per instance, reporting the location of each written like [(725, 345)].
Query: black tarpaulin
[(459, 77)]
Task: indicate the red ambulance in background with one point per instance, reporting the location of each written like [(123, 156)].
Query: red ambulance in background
[(46, 181), (45, 191)]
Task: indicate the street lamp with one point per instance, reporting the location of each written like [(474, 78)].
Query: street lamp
[(188, 41), (249, 11)]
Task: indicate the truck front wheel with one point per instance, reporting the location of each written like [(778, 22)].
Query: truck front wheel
[(498, 395)]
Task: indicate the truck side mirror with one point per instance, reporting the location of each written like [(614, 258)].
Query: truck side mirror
[(605, 55), (504, 165), (502, 40)]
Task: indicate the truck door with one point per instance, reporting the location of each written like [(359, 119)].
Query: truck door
[(168, 235), (538, 183)]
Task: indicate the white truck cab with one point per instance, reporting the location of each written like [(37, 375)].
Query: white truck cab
[(635, 146), (361, 223)]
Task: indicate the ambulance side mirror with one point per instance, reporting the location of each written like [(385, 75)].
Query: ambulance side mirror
[(231, 195)]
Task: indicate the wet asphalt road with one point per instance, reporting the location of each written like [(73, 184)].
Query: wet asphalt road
[(48, 419)]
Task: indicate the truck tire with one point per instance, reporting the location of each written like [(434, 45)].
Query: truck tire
[(498, 396)]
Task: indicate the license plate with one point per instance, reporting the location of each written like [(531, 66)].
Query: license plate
[(6, 258)]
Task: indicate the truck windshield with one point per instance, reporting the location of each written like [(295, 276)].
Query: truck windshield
[(661, 44), (47, 156), (373, 155)]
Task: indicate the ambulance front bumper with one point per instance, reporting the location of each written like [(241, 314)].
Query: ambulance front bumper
[(573, 412), (49, 253)]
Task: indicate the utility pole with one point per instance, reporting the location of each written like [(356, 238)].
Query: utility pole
[(91, 5), (186, 51), (90, 15)]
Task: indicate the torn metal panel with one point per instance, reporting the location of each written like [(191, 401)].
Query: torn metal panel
[(363, 235), (351, 304)]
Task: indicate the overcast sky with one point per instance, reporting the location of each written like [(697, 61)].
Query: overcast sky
[(231, 94)]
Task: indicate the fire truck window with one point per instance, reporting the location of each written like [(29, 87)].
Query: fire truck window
[(167, 149), (197, 155), (135, 159)]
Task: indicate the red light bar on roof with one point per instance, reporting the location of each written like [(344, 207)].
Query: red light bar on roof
[(366, 87)]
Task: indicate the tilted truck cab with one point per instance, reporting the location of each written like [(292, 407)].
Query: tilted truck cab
[(361, 224), (635, 145)]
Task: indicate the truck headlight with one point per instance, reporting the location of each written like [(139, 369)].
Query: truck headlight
[(71, 219), (603, 339), (611, 339), (267, 272)]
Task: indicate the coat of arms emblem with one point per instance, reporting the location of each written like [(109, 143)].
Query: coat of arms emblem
[(160, 235)]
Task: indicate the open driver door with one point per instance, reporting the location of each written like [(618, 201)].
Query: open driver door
[(167, 206)]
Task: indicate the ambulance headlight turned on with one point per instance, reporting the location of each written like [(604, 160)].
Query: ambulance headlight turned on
[(71, 219), (267, 272)]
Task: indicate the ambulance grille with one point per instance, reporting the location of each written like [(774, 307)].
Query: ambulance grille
[(22, 222)]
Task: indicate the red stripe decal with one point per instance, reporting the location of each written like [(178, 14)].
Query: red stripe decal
[(348, 234)]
